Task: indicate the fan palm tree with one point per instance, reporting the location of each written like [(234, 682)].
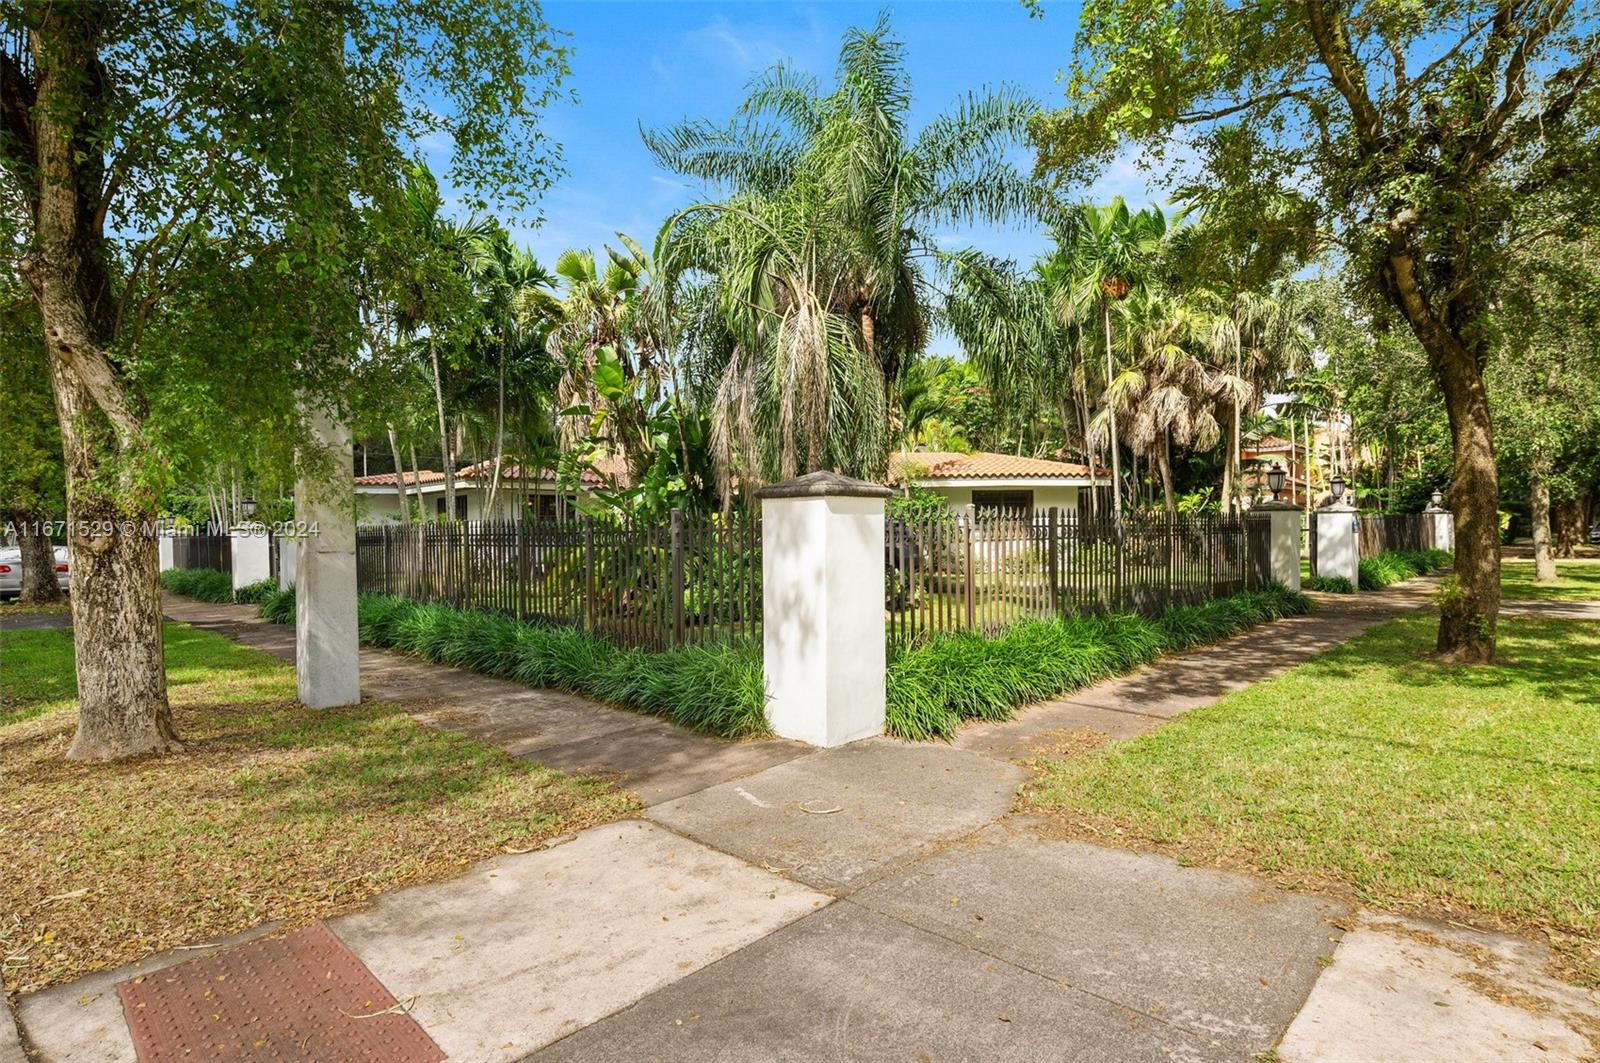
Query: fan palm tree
[(829, 214), (1257, 338)]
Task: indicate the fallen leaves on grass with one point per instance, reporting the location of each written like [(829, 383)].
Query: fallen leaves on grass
[(274, 813)]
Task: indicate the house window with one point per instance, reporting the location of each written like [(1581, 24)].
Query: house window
[(1011, 503), (461, 507)]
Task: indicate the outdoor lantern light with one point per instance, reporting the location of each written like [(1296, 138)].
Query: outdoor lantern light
[(247, 506), (1275, 480), (1336, 486), (1437, 497)]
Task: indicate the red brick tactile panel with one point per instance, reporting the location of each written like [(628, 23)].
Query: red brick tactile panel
[(301, 997)]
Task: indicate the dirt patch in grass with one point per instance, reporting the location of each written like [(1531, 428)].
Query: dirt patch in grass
[(1378, 773), (274, 813)]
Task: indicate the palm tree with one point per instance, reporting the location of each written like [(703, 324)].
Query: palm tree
[(436, 292), (1257, 337), (830, 210), (513, 288), (613, 337), (1104, 254)]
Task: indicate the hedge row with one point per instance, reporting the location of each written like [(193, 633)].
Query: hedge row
[(933, 687), (720, 689), (715, 688), (1392, 566), (209, 585), (1328, 584)]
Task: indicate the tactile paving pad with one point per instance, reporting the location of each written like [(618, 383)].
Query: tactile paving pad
[(301, 997)]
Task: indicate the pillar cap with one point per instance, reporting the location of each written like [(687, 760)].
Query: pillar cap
[(1271, 506), (1340, 506), (824, 484)]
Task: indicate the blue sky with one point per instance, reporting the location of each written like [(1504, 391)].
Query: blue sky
[(656, 63)]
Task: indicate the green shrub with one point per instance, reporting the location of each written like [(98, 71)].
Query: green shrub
[(255, 593), (202, 584), (716, 688), (209, 585), (934, 686), (1328, 584), (1392, 566)]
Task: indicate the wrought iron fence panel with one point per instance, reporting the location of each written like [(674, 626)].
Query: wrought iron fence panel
[(649, 586)]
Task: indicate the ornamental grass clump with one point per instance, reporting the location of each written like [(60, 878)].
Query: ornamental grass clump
[(962, 676), (1328, 584), (202, 584), (716, 688), (1392, 566)]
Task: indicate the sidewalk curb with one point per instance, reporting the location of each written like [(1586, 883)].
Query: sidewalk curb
[(11, 1050)]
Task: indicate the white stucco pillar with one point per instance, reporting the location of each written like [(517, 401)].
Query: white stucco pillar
[(252, 554), (288, 548), (822, 607), (1444, 527), (1338, 542), (1283, 552), (326, 642), (164, 549)]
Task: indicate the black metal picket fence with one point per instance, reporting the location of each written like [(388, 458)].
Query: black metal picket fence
[(683, 582), (983, 571), (202, 548)]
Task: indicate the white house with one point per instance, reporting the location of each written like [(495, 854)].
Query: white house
[(379, 502), (998, 481)]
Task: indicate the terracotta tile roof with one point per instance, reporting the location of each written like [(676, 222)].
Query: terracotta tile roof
[(610, 466), (948, 465), (386, 479), (1267, 443)]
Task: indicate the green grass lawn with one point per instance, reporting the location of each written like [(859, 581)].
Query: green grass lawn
[(1575, 581), (1468, 792), (274, 812)]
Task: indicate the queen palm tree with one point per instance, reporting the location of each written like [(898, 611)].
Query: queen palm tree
[(1103, 255), (820, 244)]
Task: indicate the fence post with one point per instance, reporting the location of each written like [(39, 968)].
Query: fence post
[(969, 517), (1117, 588), (1283, 542), (1338, 542), (677, 576), (822, 637), (521, 569), (1444, 527), (1055, 561), (588, 572)]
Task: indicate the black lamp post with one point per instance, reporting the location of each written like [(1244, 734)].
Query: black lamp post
[(1275, 480), (247, 506), (1336, 486)]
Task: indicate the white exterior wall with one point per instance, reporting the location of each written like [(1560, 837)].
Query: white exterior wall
[(1056, 495), (252, 556), (383, 506), (1338, 543)]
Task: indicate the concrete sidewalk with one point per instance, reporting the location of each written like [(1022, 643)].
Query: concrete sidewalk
[(878, 901)]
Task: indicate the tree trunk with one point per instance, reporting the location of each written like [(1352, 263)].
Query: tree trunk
[(1116, 460), (499, 433), (1571, 525), (1164, 463), (444, 433), (1227, 464), (399, 478), (1544, 562), (39, 585), (116, 601), (1467, 615)]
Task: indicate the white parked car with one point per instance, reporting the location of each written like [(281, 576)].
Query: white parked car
[(11, 570)]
